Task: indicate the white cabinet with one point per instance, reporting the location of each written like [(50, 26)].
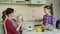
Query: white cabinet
[(1, 0), (38, 1), (19, 0), (10, 0)]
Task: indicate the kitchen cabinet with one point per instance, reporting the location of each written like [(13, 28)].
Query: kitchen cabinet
[(1, 0), (38, 1), (30, 2), (5, 0), (18, 0), (11, 0)]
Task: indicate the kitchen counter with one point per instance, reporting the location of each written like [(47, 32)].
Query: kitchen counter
[(55, 31), (26, 24)]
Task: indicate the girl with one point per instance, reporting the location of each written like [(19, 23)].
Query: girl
[(48, 18), (11, 24)]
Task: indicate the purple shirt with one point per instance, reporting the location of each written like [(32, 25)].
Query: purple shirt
[(48, 19)]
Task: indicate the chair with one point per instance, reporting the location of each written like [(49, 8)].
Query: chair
[(58, 24)]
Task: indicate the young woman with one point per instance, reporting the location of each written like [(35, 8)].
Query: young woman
[(11, 24), (48, 18)]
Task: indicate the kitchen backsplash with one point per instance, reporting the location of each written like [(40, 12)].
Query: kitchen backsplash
[(28, 12)]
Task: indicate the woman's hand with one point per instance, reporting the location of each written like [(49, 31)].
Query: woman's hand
[(20, 22), (14, 18), (19, 25)]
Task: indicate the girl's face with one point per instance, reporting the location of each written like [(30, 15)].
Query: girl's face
[(46, 11), (11, 15)]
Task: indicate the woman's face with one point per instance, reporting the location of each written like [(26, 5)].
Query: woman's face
[(46, 11), (12, 14)]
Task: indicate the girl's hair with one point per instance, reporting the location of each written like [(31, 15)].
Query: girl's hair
[(49, 7), (7, 12)]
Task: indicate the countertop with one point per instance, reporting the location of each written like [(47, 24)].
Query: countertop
[(26, 24), (55, 31)]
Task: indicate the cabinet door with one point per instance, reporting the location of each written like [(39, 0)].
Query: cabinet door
[(5, 0), (33, 1), (38, 1), (42, 1), (10, 0), (1, 0), (18, 0)]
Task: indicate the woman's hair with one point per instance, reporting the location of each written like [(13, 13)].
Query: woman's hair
[(7, 12), (49, 7), (3, 15)]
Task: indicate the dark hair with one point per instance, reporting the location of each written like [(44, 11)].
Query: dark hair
[(3, 15), (49, 7), (7, 12)]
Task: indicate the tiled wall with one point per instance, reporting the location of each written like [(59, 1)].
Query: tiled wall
[(28, 12)]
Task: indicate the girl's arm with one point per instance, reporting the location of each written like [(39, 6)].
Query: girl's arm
[(53, 20)]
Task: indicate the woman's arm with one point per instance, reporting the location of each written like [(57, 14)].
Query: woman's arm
[(19, 25)]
